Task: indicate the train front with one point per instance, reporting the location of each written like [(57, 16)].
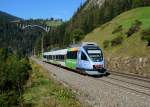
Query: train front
[(91, 60)]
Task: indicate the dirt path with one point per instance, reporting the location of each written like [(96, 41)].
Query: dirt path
[(96, 92)]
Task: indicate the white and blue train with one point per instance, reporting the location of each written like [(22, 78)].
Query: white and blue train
[(88, 58)]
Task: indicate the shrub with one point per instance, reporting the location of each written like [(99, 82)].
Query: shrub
[(117, 29), (106, 43), (13, 75), (116, 41), (146, 35), (134, 28)]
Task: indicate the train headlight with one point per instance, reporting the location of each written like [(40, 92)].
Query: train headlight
[(98, 66)]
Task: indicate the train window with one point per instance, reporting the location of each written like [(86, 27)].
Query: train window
[(72, 54), (83, 56), (50, 56), (44, 56), (94, 52), (62, 57), (95, 55), (68, 55), (75, 55)]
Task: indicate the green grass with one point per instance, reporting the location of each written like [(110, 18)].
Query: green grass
[(132, 46), (43, 91), (53, 23)]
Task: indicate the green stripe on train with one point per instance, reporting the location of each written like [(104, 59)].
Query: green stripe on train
[(71, 63)]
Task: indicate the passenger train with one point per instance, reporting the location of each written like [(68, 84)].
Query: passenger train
[(88, 58)]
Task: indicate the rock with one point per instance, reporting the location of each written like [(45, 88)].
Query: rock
[(140, 66)]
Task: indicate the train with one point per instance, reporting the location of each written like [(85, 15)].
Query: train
[(88, 58)]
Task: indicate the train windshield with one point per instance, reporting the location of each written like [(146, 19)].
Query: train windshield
[(94, 53)]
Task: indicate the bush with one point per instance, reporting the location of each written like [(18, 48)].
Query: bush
[(106, 43), (134, 28), (13, 75), (116, 41), (146, 35), (118, 29)]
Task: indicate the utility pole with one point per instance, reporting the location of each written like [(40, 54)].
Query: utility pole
[(34, 52), (42, 42), (42, 46)]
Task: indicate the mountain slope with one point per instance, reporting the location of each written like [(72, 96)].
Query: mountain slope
[(8, 17), (93, 3), (131, 46)]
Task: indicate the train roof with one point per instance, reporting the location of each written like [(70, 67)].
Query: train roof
[(58, 52), (64, 51), (89, 44)]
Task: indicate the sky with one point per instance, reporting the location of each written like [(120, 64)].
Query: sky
[(27, 9)]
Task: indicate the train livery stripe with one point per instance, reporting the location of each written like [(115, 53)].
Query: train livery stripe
[(71, 63), (73, 49)]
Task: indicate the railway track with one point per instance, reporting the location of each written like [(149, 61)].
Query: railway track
[(140, 91), (139, 84), (145, 86), (146, 79), (133, 83)]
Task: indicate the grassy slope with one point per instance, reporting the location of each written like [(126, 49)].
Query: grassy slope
[(53, 23), (132, 46), (43, 91)]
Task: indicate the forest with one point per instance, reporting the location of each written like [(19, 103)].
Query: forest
[(16, 45)]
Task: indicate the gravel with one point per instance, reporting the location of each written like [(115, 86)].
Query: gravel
[(95, 92)]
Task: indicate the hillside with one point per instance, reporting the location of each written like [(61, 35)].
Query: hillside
[(90, 15), (131, 46), (19, 40), (54, 23), (8, 17)]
